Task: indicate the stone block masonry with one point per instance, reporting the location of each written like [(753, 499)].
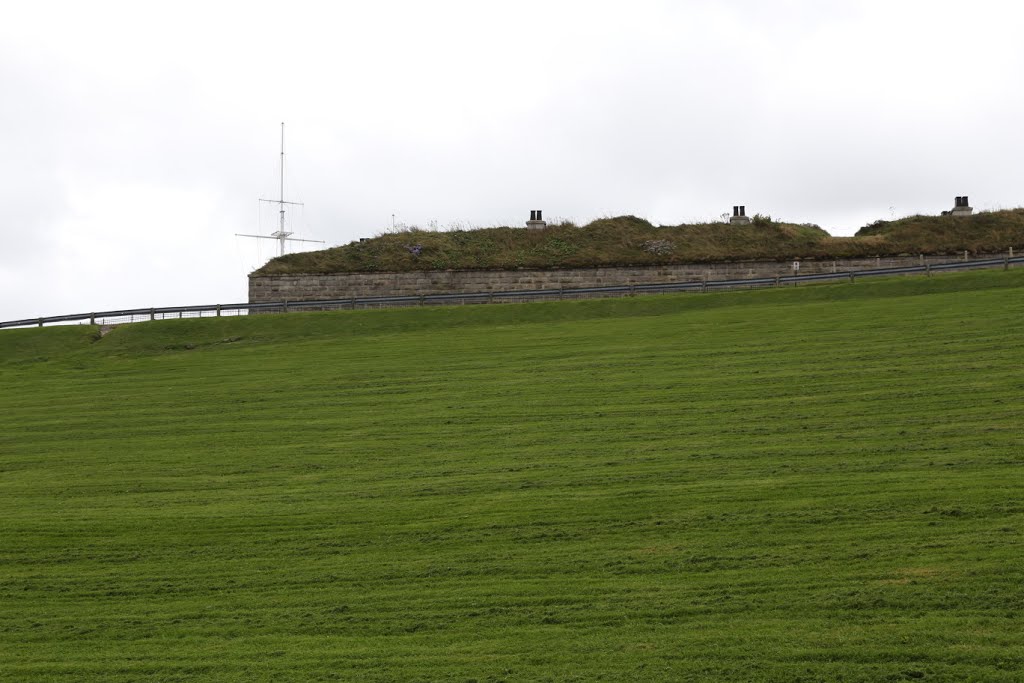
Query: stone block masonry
[(316, 287)]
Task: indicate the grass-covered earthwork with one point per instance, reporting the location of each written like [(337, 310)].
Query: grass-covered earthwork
[(628, 240)]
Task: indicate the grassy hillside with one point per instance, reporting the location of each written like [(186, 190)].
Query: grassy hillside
[(628, 240), (816, 484)]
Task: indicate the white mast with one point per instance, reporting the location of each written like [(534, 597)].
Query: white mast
[(281, 235)]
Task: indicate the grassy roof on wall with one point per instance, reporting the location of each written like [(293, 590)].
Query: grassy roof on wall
[(628, 240)]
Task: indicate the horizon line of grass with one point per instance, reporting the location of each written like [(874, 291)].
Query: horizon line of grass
[(38, 344)]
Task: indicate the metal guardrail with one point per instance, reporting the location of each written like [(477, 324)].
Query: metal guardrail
[(210, 310)]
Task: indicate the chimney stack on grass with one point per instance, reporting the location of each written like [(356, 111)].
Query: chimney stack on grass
[(739, 216), (962, 207), (536, 220)]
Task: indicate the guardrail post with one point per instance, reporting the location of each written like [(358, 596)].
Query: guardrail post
[(353, 302), (218, 310), (92, 318), (777, 281), (965, 254), (632, 290), (704, 285), (490, 297), (152, 314), (422, 299), (852, 277), (286, 305), (1006, 263), (928, 270), (40, 322)]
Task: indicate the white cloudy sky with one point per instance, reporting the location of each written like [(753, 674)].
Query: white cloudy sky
[(136, 137)]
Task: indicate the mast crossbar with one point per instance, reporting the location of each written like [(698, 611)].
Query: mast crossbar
[(281, 235)]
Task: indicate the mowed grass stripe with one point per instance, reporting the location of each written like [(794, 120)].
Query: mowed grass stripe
[(822, 483)]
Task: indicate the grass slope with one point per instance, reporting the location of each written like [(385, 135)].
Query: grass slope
[(628, 240), (809, 484)]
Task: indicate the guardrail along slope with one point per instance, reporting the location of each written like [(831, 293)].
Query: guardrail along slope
[(511, 296)]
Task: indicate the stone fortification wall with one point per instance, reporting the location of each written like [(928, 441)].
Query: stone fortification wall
[(314, 287)]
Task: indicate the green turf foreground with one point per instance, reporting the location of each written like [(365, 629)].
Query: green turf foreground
[(815, 484)]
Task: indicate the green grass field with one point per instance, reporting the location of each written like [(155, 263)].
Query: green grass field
[(813, 484)]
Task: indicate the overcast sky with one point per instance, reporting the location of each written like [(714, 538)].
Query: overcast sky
[(137, 137)]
